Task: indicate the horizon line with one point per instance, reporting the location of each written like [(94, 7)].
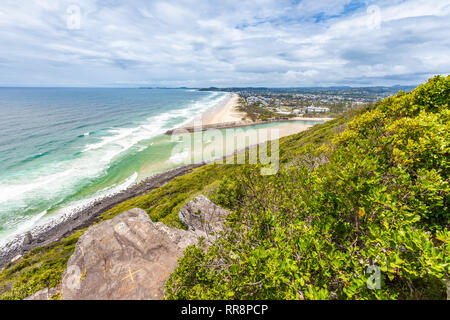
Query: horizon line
[(207, 87)]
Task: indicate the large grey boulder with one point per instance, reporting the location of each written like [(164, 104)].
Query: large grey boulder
[(200, 214), (127, 257), (130, 257)]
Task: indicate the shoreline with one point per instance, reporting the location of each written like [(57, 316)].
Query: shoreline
[(61, 227), (224, 113), (226, 116), (49, 233)]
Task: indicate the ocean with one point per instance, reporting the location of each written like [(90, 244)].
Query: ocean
[(63, 148)]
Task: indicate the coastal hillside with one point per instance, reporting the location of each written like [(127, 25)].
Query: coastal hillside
[(358, 214), (358, 210)]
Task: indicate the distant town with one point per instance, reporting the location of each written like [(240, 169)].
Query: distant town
[(311, 102)]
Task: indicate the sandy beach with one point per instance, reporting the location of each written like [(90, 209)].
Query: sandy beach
[(287, 129), (225, 113)]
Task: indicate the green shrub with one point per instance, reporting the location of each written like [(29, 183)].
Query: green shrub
[(372, 193)]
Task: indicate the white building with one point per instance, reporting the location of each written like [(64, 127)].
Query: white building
[(313, 109)]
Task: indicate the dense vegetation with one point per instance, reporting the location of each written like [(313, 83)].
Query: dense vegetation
[(369, 188), (40, 268), (376, 196)]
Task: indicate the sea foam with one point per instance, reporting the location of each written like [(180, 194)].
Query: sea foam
[(51, 184)]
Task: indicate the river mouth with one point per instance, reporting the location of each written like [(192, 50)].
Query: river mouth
[(88, 159), (62, 149)]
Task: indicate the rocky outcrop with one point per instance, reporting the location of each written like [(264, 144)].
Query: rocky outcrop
[(128, 257), (200, 214)]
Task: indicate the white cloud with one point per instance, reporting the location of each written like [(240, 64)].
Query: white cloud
[(187, 42)]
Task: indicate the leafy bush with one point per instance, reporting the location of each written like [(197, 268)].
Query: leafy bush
[(375, 197)]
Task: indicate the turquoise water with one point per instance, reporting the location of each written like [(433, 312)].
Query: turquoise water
[(60, 149)]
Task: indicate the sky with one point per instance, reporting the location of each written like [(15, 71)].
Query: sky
[(135, 43)]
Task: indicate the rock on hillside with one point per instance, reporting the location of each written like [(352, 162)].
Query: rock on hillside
[(200, 214), (128, 257)]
